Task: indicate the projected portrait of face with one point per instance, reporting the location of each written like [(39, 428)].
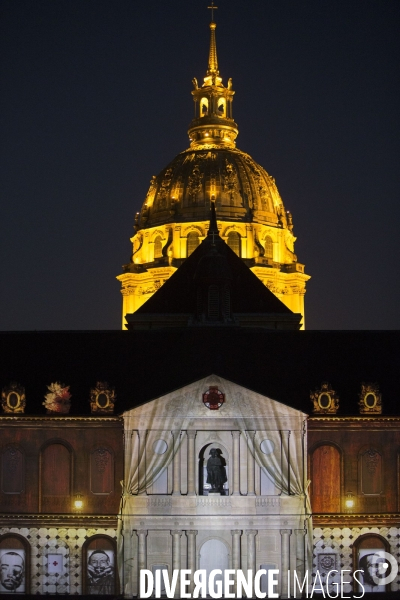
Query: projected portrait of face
[(100, 572), (372, 568), (12, 571)]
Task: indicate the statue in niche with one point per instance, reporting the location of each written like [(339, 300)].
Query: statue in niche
[(216, 472)]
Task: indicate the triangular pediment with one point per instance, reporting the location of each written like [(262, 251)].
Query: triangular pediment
[(239, 403)]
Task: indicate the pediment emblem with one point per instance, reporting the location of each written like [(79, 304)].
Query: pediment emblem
[(213, 398)]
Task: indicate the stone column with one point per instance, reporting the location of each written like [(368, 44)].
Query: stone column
[(176, 557), (251, 549), (250, 464), (191, 435), (236, 533), (300, 552), (177, 464), (142, 551), (142, 433), (236, 465), (285, 560), (191, 554)]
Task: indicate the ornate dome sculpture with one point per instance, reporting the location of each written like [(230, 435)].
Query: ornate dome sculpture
[(251, 216)]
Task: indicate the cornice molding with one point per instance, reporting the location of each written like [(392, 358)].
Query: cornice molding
[(327, 422), (47, 421), (57, 520), (364, 520)]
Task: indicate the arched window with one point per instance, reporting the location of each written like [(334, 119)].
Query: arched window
[(234, 242), (221, 104), (158, 247), (269, 248), (213, 302), (55, 478), (325, 479), (14, 564), (203, 107), (99, 566), (192, 242), (12, 470)]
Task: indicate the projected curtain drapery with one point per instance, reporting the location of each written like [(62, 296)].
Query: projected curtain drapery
[(154, 433)]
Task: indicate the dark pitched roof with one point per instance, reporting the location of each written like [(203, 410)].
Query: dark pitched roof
[(213, 259)]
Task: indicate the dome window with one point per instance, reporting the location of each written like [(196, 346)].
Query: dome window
[(204, 107), (269, 248), (234, 242), (192, 242), (221, 107), (158, 247), (213, 302)]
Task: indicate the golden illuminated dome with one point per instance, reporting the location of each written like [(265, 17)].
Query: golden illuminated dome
[(243, 191), (251, 217), (212, 168)]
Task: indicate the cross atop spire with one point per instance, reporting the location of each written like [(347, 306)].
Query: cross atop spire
[(212, 8)]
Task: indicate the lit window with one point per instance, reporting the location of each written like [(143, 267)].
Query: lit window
[(158, 247), (221, 107), (269, 248), (204, 107), (192, 242), (234, 242)]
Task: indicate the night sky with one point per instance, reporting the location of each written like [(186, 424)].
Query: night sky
[(96, 99)]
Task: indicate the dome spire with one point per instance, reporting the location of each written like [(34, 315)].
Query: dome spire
[(213, 122), (212, 58)]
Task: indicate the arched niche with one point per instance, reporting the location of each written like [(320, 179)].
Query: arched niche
[(325, 471), (99, 566), (14, 564), (204, 455), (55, 476), (365, 548)]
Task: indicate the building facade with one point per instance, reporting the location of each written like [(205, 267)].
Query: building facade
[(206, 450)]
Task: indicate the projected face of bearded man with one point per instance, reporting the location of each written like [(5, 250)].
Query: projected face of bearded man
[(12, 567)]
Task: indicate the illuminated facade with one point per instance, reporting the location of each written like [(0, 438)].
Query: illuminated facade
[(252, 219), (121, 477)]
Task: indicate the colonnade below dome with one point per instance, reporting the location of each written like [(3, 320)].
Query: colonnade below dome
[(158, 251)]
